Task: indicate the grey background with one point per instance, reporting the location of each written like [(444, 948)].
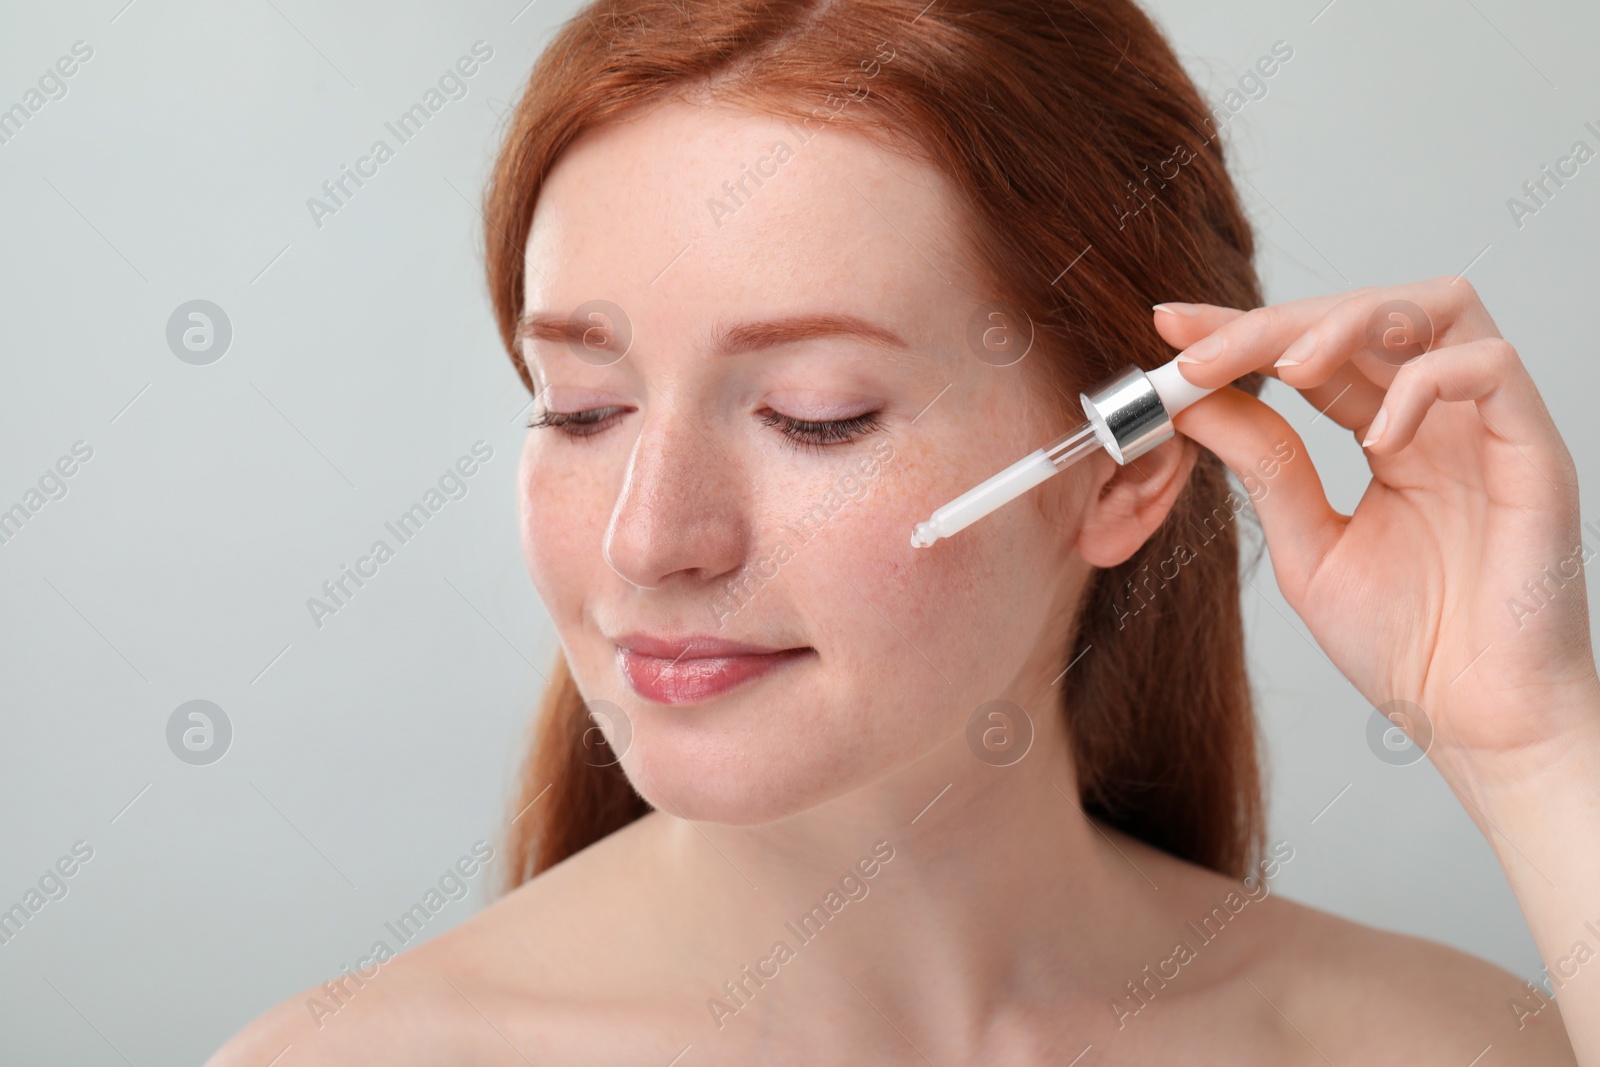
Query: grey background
[(370, 754)]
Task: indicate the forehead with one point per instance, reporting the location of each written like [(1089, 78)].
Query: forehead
[(691, 208)]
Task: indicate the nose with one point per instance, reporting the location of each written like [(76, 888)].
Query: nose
[(681, 514)]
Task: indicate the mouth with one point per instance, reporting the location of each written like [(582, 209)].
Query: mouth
[(694, 669)]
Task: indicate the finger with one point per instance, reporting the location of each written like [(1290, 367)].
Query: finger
[(1181, 325), (1272, 463), (1487, 372), (1348, 397), (1377, 329), (1382, 329), (1254, 340)]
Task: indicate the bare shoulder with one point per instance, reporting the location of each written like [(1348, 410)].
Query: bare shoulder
[(392, 1017), (1425, 1001), (506, 985), (1337, 989)]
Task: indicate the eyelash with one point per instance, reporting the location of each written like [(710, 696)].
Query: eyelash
[(802, 433), (815, 436), (572, 423)]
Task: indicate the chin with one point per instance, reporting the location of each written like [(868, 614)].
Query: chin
[(694, 770), (730, 795)]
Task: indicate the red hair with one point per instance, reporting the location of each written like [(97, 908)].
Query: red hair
[(1093, 185)]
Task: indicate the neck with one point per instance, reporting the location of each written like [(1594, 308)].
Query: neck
[(943, 887)]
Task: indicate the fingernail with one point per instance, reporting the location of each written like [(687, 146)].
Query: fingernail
[(1203, 350), (1375, 431), (1186, 310), (1298, 352)]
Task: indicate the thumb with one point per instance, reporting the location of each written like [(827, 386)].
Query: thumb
[(1272, 463)]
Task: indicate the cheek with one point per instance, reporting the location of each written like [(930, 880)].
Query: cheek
[(930, 628), (937, 611), (562, 523)]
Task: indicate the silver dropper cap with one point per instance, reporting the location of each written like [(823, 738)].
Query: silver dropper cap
[(1127, 414)]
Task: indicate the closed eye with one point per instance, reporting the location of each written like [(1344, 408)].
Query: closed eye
[(801, 433), (574, 423), (810, 435)]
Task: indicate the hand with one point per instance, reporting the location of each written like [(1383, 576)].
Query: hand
[(1431, 591)]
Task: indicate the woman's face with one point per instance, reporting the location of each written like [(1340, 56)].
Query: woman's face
[(761, 284)]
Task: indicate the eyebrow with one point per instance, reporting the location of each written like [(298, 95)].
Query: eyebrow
[(734, 338)]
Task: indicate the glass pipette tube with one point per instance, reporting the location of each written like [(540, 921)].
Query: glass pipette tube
[(1129, 413), (1009, 484)]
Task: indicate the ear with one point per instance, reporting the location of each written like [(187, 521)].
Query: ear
[(1132, 500)]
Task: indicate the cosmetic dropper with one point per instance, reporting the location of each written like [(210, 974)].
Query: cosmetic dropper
[(1129, 414)]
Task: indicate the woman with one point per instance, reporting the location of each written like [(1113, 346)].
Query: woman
[(783, 277)]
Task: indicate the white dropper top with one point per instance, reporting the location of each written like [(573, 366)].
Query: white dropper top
[(1128, 414)]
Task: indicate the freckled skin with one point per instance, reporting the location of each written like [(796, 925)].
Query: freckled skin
[(1007, 925), (689, 487)]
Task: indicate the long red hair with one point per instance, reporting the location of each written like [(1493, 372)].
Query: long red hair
[(1094, 184)]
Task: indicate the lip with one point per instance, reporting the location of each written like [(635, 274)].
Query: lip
[(688, 670)]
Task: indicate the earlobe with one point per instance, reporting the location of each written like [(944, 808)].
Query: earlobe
[(1133, 502)]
